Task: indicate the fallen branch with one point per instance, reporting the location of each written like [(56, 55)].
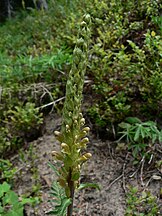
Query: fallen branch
[(114, 181), (51, 103)]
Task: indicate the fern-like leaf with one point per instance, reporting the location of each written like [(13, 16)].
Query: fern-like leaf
[(59, 200)]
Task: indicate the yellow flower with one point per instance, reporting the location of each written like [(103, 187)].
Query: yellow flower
[(153, 34)]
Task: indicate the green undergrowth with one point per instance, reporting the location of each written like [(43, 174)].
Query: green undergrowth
[(141, 203), (123, 75), (126, 60), (34, 61), (124, 63)]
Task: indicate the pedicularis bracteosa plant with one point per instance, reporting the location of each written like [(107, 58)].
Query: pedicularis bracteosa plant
[(73, 132)]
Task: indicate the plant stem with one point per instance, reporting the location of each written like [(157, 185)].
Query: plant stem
[(71, 187)]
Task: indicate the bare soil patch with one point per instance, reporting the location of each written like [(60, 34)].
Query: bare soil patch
[(113, 171)]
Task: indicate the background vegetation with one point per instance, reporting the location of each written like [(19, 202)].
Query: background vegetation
[(123, 79)]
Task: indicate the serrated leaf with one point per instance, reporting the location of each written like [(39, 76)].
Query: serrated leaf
[(60, 199), (60, 210)]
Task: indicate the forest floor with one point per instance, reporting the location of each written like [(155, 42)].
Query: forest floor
[(110, 168)]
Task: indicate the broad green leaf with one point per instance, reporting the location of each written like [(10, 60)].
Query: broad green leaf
[(1, 209), (17, 212), (89, 185), (124, 125), (10, 198), (133, 120), (4, 188)]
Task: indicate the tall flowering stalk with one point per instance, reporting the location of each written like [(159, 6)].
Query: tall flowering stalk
[(73, 133)]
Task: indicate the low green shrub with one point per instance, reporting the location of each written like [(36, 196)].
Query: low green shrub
[(18, 124), (141, 203), (125, 61), (7, 171), (140, 136), (24, 118), (10, 203)]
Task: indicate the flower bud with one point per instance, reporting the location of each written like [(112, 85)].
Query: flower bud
[(57, 133), (83, 23), (76, 137), (82, 121), (57, 155), (84, 140), (88, 155), (67, 127), (82, 159), (80, 115), (65, 147), (75, 122), (87, 129), (70, 114), (87, 17)]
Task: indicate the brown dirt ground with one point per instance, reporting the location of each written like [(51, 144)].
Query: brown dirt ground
[(109, 168)]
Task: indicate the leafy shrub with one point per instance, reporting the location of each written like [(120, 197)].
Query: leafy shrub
[(140, 136), (125, 59), (25, 118), (141, 204), (33, 65), (19, 123), (10, 203), (7, 170)]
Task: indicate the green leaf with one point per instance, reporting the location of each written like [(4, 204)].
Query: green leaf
[(1, 209), (4, 188), (54, 168), (133, 120), (30, 200), (142, 132), (10, 198), (60, 210), (16, 212), (137, 134), (124, 125), (60, 199), (75, 176), (89, 185)]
